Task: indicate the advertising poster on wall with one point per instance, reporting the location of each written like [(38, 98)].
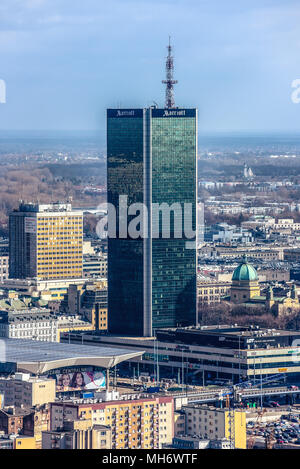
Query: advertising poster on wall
[(79, 380)]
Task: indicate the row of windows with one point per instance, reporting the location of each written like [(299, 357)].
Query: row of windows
[(59, 219), (216, 290), (76, 263)]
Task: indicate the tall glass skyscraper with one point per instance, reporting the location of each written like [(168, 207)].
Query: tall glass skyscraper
[(152, 160)]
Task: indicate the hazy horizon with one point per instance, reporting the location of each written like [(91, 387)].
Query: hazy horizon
[(64, 63), (253, 143)]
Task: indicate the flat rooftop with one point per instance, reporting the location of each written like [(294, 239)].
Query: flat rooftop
[(246, 331), (38, 357)]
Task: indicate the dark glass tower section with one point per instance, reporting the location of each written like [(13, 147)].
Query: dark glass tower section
[(151, 159)]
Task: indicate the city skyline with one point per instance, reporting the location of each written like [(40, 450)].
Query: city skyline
[(149, 258), (63, 66)]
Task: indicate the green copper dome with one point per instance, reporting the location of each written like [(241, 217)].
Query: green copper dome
[(245, 272)]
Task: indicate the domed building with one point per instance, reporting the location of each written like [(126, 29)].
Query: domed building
[(245, 290), (245, 285)]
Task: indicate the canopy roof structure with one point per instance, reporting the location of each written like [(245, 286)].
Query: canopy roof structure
[(38, 357)]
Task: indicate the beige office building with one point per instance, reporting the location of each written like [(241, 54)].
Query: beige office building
[(45, 242)]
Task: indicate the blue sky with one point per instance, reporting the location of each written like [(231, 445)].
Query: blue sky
[(65, 61)]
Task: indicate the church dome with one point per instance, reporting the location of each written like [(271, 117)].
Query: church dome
[(245, 272)]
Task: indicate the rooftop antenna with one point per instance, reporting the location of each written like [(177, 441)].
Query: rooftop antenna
[(170, 82)]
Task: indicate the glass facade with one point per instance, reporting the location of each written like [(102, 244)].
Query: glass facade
[(173, 182), (151, 159), (125, 256)]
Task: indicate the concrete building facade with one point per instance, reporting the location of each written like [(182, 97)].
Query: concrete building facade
[(25, 390), (145, 423), (45, 242), (215, 424)]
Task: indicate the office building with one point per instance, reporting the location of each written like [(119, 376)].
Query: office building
[(152, 222), (199, 354), (151, 158), (45, 242)]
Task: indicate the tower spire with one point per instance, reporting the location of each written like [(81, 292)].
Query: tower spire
[(169, 81)]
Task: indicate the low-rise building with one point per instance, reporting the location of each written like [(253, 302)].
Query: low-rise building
[(194, 442), (78, 434), (24, 442), (94, 266), (11, 420), (25, 390), (273, 275), (48, 290), (89, 301), (253, 252), (224, 233), (292, 254), (286, 224), (33, 323), (229, 352), (68, 324), (36, 422), (211, 291), (4, 265), (6, 443), (215, 424)]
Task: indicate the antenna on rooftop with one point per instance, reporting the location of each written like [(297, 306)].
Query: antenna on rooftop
[(169, 81)]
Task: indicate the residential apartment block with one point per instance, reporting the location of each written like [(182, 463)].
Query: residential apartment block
[(214, 423), (145, 423)]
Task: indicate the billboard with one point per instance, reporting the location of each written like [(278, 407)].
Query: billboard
[(79, 380)]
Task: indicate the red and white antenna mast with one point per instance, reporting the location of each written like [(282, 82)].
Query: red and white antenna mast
[(170, 82)]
